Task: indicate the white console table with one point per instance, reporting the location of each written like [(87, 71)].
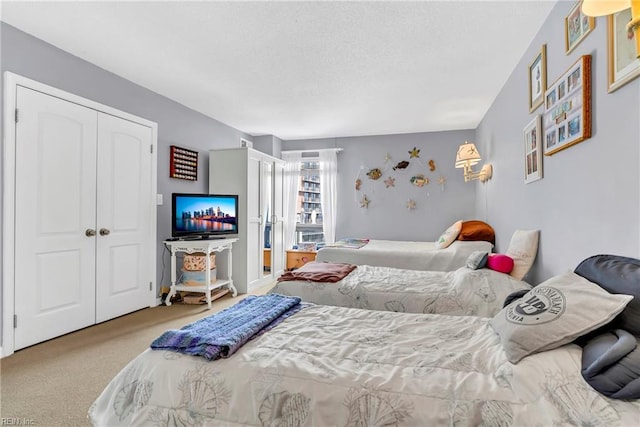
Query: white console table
[(208, 247)]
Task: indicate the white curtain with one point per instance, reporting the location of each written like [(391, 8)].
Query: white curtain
[(328, 193), (290, 196)]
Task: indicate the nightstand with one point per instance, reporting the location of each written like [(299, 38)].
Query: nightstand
[(297, 258)]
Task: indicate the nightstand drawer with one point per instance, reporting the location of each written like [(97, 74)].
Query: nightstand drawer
[(296, 259)]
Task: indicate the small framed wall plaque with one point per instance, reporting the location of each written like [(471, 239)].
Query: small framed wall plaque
[(183, 163)]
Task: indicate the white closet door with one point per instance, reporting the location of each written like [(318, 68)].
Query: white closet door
[(55, 205), (255, 222), (277, 242), (123, 217)]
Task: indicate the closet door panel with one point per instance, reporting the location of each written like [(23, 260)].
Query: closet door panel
[(255, 221), (277, 244), (124, 208), (55, 206)]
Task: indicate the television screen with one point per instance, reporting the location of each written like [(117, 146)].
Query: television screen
[(203, 215)]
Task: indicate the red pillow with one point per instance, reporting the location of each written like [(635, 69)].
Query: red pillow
[(477, 230), (500, 262)]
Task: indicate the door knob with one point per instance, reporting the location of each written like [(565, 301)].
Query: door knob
[(90, 232), (104, 232)]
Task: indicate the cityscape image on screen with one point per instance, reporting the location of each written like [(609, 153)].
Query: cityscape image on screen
[(204, 214)]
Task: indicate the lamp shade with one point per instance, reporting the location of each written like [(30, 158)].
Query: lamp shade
[(467, 155), (604, 7)]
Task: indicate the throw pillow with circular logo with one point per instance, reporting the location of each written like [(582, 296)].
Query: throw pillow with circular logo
[(555, 313)]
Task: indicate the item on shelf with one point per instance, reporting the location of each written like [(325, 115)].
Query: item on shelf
[(198, 262), (196, 278), (198, 298), (307, 246)]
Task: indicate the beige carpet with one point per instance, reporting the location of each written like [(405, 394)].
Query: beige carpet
[(55, 382)]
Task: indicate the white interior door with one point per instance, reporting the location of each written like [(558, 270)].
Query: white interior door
[(123, 221), (55, 204)]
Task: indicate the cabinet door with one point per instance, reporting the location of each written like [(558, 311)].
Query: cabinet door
[(277, 232), (123, 268), (55, 204), (254, 220)]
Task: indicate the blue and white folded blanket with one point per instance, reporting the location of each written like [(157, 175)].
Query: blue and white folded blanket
[(222, 334)]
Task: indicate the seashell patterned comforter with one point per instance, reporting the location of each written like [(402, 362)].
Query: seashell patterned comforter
[(336, 366), (461, 292), (405, 254)]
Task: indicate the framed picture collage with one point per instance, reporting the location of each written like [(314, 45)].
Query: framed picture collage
[(566, 118)]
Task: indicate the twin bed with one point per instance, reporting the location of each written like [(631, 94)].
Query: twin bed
[(392, 276), (334, 366), (460, 292), (447, 253), (405, 254)]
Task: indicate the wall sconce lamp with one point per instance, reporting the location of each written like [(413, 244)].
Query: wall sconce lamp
[(467, 157), (609, 7)]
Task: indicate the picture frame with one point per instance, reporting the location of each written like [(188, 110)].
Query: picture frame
[(533, 150), (576, 27), (183, 163), (537, 79), (567, 115), (623, 66)]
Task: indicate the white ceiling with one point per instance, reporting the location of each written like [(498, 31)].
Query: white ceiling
[(300, 70)]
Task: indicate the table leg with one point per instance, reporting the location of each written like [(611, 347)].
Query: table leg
[(207, 279), (234, 291), (172, 289)]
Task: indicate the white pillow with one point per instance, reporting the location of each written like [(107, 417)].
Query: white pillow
[(449, 235), (555, 313), (523, 248)]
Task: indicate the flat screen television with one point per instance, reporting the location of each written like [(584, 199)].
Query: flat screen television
[(203, 216)]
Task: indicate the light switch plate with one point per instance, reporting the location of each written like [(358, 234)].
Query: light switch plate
[(159, 200)]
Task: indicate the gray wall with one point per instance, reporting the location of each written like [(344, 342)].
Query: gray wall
[(387, 217), (177, 125), (268, 144), (588, 201)]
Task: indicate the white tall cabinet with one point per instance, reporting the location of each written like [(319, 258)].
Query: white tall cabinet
[(257, 179), (79, 218)]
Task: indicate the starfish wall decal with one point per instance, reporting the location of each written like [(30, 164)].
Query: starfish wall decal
[(390, 182)]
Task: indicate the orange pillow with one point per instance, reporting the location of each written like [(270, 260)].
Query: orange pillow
[(477, 230)]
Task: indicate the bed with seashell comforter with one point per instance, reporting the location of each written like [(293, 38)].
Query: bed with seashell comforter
[(406, 254), (461, 292), (337, 366)]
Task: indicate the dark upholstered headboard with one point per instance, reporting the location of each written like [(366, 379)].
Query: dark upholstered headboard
[(618, 275)]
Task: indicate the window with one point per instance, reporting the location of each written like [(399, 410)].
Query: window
[(308, 207)]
